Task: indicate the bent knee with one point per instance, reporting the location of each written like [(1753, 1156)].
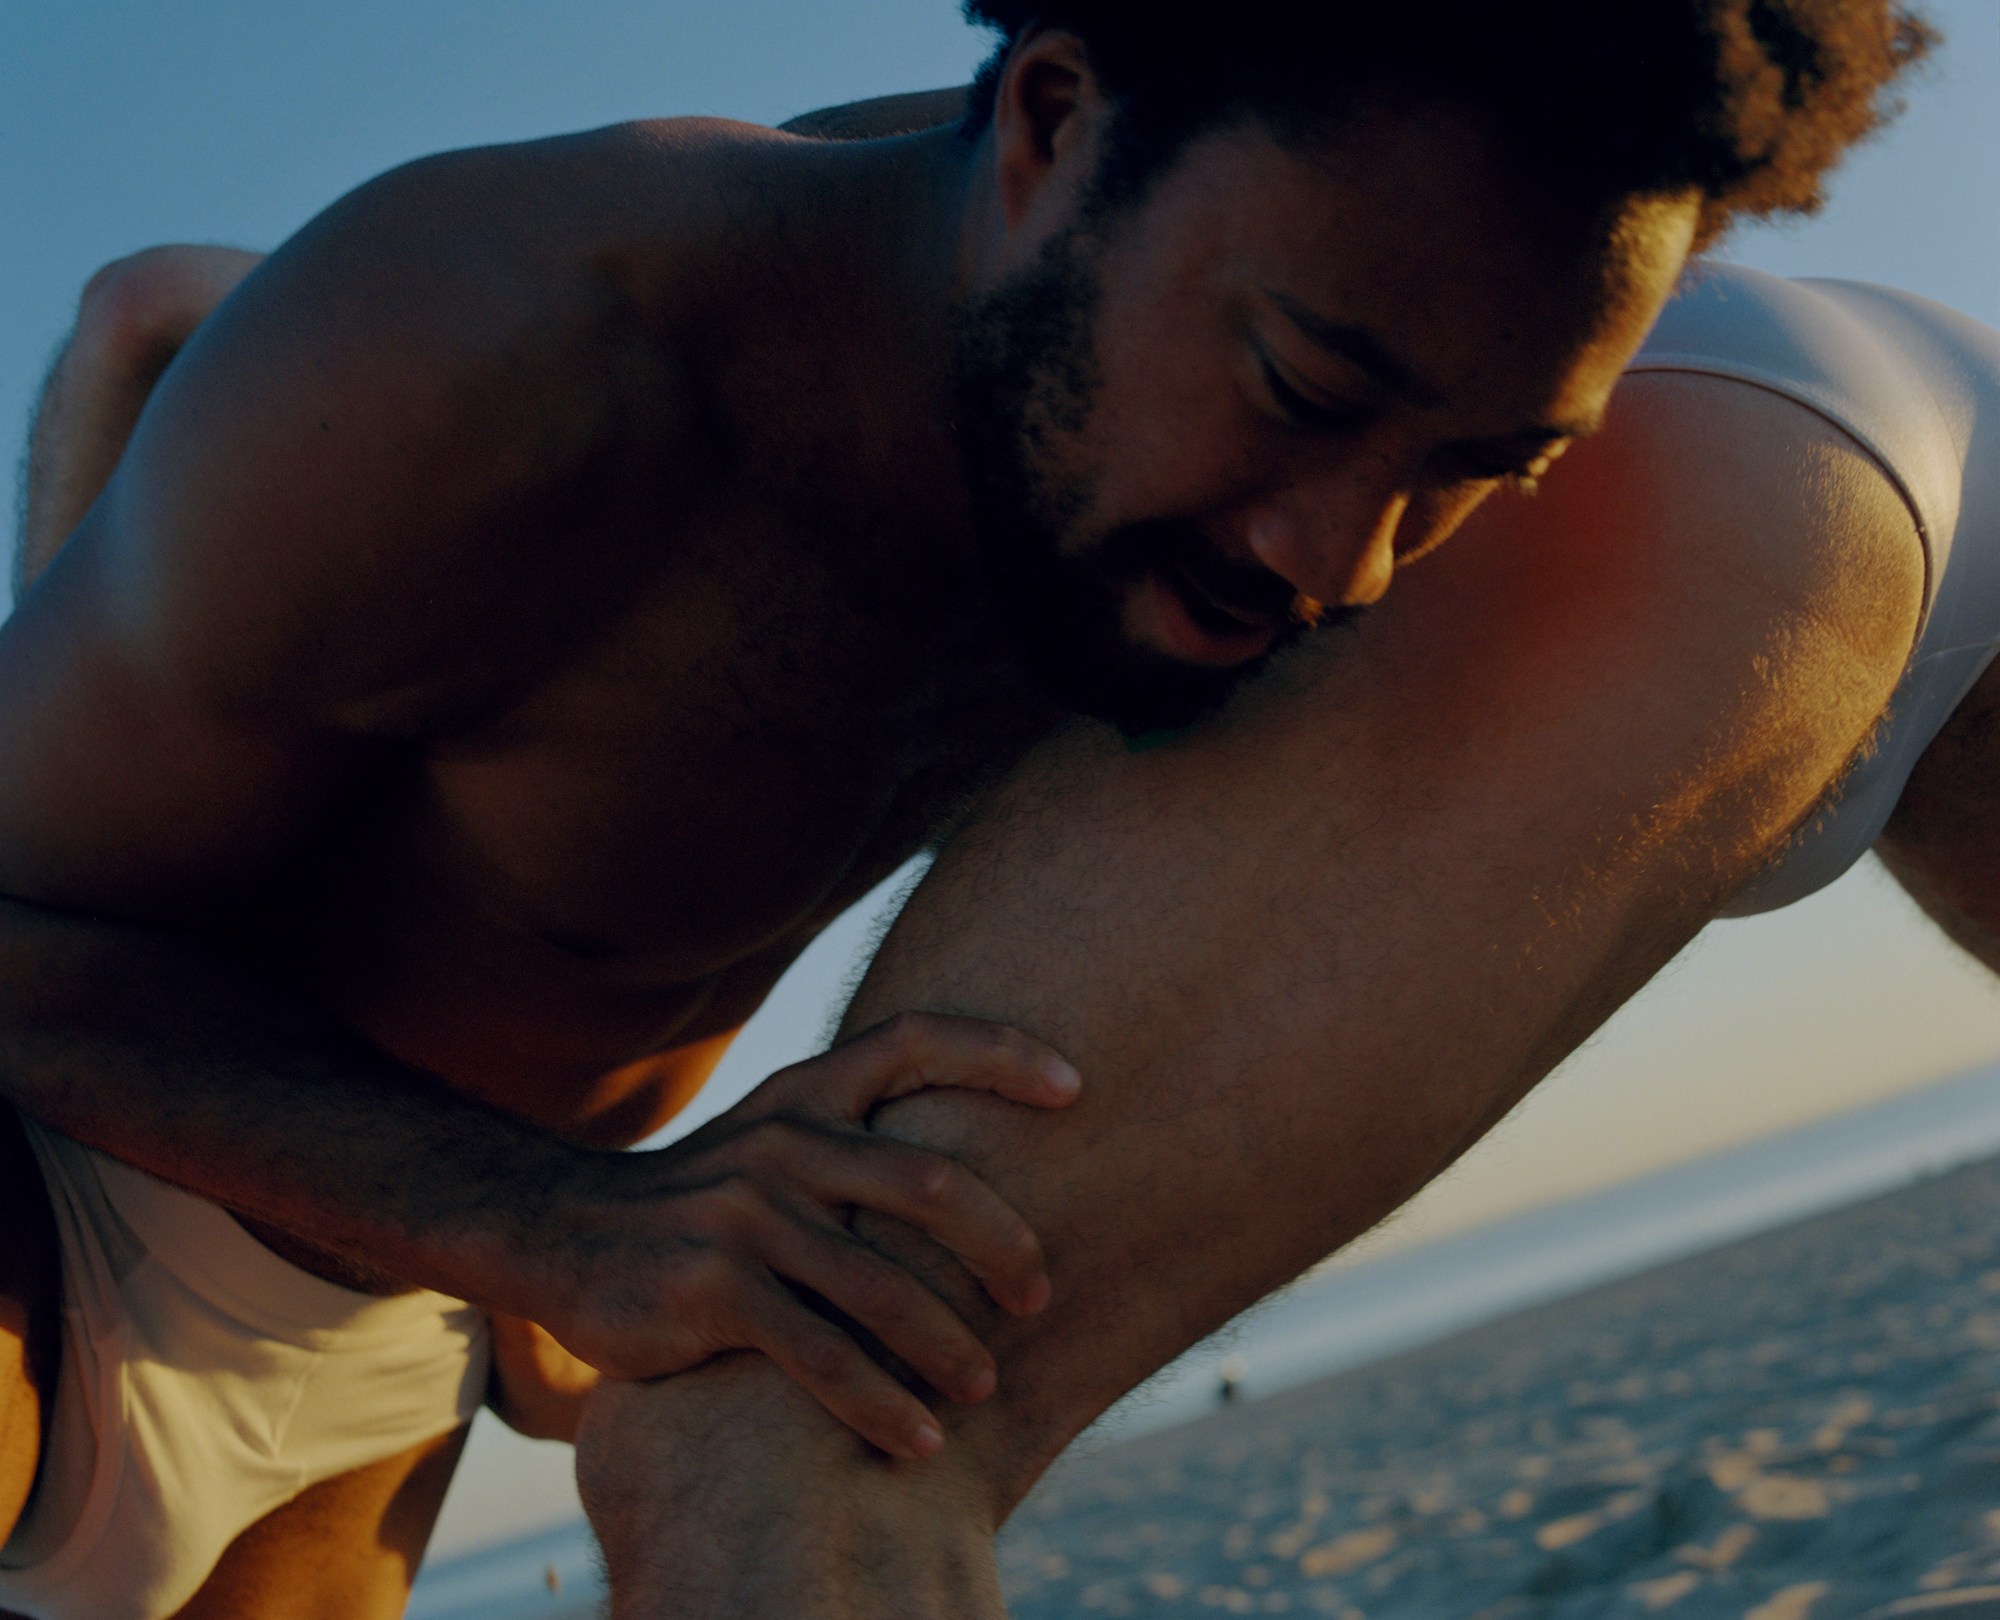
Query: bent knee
[(29, 1318)]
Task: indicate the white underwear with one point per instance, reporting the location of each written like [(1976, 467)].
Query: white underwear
[(204, 1382)]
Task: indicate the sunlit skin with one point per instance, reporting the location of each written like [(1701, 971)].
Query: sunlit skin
[(552, 834), (1319, 411), (1322, 413)]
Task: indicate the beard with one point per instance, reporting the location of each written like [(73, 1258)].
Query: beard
[(1027, 377)]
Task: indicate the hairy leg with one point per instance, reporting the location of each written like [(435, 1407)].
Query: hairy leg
[(1941, 842), (1304, 959)]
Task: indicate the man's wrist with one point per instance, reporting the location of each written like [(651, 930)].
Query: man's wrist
[(528, 1234)]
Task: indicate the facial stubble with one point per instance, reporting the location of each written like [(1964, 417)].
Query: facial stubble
[(1027, 381)]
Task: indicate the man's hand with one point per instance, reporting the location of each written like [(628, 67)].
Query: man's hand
[(135, 315), (676, 1256)]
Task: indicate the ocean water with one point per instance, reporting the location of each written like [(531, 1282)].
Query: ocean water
[(1348, 1315)]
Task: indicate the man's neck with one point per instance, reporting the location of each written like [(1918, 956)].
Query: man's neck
[(855, 254), (893, 218)]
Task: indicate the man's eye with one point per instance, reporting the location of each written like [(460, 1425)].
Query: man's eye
[(1310, 413), (1522, 480), (1526, 477)]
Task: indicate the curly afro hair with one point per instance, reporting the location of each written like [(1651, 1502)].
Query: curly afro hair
[(1750, 102)]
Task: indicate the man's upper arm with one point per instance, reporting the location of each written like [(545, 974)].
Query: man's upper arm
[(297, 562)]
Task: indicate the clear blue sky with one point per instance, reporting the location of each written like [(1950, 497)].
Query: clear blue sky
[(124, 124)]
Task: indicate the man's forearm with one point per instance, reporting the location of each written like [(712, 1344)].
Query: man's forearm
[(172, 1053)]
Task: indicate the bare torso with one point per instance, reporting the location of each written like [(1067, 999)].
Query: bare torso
[(677, 723), (568, 908)]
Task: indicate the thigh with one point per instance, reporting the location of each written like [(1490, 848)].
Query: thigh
[(344, 1549), (30, 1317)]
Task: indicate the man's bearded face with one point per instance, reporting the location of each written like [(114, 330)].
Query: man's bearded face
[(1275, 374), (1027, 380)]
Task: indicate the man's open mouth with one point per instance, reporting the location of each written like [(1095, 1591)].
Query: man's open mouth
[(1217, 613), (1199, 628)]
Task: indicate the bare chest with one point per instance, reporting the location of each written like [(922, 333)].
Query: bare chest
[(620, 866)]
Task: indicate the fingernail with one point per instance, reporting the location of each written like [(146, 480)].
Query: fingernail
[(1063, 1079), (1035, 1297), (929, 1440), (982, 1384)]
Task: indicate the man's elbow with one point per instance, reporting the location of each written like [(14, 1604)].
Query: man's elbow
[(137, 312)]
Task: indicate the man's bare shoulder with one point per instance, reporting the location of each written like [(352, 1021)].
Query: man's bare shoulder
[(433, 437), (882, 116)]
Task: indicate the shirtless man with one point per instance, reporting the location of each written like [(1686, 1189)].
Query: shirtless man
[(325, 772)]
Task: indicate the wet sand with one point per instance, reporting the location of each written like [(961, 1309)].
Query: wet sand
[(1801, 1426)]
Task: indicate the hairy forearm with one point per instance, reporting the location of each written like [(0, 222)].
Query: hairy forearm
[(173, 1053)]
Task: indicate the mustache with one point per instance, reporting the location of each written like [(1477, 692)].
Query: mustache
[(1248, 590)]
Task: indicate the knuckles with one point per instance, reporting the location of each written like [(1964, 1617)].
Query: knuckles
[(822, 1357), (933, 1182), (731, 1209)]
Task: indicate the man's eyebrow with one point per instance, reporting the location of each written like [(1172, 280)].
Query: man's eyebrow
[(1361, 347)]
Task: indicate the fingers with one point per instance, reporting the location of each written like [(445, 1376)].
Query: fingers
[(936, 1195), (911, 1322), (725, 1293), (916, 1050), (832, 1368)]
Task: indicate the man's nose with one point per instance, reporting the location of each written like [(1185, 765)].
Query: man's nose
[(1334, 544)]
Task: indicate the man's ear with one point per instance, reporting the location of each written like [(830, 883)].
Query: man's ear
[(1046, 117)]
